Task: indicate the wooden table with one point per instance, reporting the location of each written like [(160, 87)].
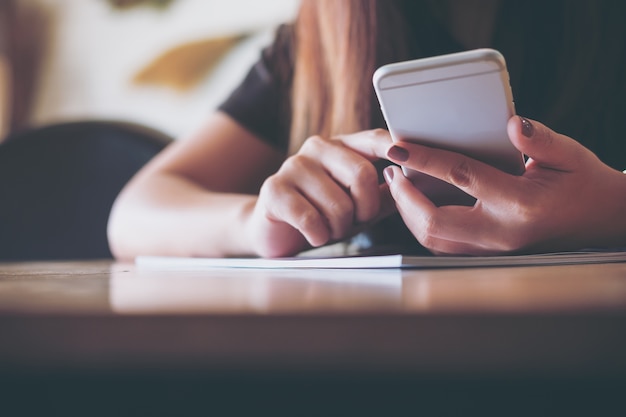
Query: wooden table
[(440, 340)]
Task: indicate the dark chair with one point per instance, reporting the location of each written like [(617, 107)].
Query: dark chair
[(58, 183)]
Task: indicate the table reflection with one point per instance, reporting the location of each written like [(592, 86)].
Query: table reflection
[(100, 287), (522, 289), (254, 290), (519, 289)]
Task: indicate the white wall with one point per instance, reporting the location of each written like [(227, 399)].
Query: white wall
[(95, 51)]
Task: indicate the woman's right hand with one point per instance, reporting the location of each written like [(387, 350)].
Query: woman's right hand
[(326, 192)]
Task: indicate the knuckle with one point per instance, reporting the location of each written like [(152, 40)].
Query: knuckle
[(295, 163), (272, 186), (341, 217), (426, 230), (308, 220), (379, 132), (515, 245), (313, 143), (341, 209), (582, 156), (422, 160), (365, 172), (369, 207), (548, 137), (432, 227), (461, 174), (512, 243), (429, 242), (527, 210)]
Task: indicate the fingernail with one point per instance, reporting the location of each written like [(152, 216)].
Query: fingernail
[(398, 154), (388, 174), (527, 128)]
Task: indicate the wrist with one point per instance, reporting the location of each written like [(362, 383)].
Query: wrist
[(240, 239)]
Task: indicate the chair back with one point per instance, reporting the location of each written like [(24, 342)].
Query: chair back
[(58, 184)]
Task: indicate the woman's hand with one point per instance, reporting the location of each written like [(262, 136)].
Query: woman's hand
[(326, 192), (566, 199)]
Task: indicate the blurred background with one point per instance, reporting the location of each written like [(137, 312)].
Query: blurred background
[(165, 64)]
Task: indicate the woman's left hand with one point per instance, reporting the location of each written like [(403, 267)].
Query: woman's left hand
[(567, 198)]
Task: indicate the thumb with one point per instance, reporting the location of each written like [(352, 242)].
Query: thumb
[(543, 145)]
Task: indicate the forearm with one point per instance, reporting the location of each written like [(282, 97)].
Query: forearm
[(168, 215)]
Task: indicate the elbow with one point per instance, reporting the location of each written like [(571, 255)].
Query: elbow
[(119, 233)]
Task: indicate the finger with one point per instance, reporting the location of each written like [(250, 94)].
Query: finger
[(356, 174), (310, 179), (446, 247), (294, 209), (407, 198), (476, 178), (388, 207), (543, 145), (428, 223), (371, 144)]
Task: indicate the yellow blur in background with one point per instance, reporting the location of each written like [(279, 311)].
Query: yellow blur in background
[(162, 63)]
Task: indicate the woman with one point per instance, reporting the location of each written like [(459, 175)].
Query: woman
[(293, 158)]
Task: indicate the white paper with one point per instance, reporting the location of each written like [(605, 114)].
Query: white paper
[(382, 261)]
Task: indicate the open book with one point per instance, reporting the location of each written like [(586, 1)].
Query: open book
[(383, 261)]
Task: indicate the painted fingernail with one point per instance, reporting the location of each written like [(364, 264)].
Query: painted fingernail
[(388, 174), (527, 128), (398, 154)]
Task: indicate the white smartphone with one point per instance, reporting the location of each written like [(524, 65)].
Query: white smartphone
[(459, 102)]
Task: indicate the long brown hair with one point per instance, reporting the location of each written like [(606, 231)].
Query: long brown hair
[(567, 65), (339, 44)]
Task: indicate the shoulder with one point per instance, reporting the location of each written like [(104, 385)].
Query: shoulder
[(262, 103), (278, 58)]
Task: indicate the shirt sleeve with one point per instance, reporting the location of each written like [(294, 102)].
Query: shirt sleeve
[(261, 103)]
